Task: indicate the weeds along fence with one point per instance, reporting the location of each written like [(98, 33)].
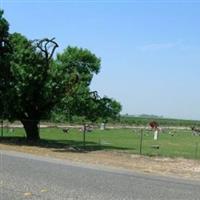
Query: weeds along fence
[(170, 143)]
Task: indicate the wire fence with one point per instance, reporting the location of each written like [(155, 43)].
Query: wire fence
[(90, 137)]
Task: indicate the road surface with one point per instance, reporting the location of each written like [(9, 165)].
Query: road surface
[(24, 176)]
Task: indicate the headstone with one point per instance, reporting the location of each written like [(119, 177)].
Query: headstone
[(155, 135), (102, 127)]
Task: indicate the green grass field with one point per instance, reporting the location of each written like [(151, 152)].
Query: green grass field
[(181, 144)]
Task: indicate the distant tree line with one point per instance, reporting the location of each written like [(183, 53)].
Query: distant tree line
[(137, 121)]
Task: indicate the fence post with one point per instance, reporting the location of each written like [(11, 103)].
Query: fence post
[(84, 131), (141, 140), (2, 128)]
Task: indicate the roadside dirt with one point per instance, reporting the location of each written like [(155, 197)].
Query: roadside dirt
[(178, 167)]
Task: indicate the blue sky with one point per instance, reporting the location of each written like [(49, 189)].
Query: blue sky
[(150, 50)]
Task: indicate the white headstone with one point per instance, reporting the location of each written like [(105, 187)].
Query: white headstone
[(102, 127), (155, 135)]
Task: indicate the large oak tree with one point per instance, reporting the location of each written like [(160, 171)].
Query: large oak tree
[(36, 82)]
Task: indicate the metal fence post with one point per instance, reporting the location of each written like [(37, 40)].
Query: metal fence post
[(141, 140), (84, 131), (2, 128)]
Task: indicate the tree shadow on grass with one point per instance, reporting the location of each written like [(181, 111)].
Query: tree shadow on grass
[(62, 145)]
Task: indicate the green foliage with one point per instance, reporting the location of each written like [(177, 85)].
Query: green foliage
[(80, 62), (4, 26), (28, 83), (109, 109), (37, 87), (77, 66), (80, 65)]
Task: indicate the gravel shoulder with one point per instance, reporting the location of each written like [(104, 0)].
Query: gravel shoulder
[(179, 167)]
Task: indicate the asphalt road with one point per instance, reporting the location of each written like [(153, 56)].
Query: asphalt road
[(24, 176)]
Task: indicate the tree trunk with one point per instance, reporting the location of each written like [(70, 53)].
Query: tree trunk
[(31, 129)]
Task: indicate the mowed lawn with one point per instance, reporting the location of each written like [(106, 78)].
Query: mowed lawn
[(177, 143)]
